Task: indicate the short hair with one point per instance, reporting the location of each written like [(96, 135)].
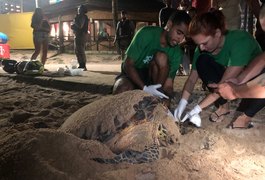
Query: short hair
[(83, 8), (123, 12), (207, 23), (180, 16)]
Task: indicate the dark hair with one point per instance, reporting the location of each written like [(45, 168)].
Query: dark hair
[(180, 16), (123, 12), (37, 16), (207, 23), (83, 8)]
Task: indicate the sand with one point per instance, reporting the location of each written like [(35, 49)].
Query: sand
[(31, 147)]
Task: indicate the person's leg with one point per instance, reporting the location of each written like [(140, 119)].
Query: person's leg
[(83, 51), (159, 68), (158, 71), (249, 108), (186, 64), (211, 72), (79, 51), (37, 45), (44, 51), (122, 84)]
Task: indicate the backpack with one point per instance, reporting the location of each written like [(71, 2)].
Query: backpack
[(9, 65), (32, 67)]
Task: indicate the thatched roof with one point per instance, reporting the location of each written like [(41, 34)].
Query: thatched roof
[(70, 6)]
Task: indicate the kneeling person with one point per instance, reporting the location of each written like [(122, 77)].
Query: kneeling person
[(153, 57)]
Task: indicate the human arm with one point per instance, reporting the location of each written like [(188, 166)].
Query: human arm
[(189, 85), (187, 90), (132, 73), (253, 89), (36, 23), (252, 70), (45, 26), (230, 72), (116, 33), (159, 18), (80, 21)]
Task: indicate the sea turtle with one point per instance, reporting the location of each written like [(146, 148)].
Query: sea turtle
[(133, 125)]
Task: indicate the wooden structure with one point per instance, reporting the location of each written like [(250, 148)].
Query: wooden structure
[(101, 15)]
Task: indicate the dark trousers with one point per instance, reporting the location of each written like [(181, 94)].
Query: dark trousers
[(80, 45), (211, 72)]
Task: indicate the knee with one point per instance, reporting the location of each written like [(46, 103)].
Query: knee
[(121, 85), (203, 60), (161, 59)]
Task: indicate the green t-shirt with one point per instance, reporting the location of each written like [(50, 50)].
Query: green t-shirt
[(146, 43), (239, 49)]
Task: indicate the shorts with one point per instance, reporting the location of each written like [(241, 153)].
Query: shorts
[(143, 74), (40, 37)]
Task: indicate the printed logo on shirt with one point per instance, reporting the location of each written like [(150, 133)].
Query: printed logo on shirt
[(148, 59)]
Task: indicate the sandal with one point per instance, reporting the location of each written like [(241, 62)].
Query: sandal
[(248, 126), (243, 125), (218, 118)]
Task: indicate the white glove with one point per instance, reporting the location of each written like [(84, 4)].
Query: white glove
[(196, 119), (179, 110), (196, 110), (152, 89)]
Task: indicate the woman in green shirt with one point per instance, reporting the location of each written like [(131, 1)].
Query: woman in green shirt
[(221, 54)]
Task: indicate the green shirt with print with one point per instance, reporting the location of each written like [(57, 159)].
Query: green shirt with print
[(239, 49), (146, 43)]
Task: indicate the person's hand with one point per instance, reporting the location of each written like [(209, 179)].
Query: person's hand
[(195, 111), (152, 89), (179, 110), (233, 80), (226, 90)]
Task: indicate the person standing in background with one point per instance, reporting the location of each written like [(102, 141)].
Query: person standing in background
[(41, 30), (124, 33), (80, 29), (232, 12), (165, 13)]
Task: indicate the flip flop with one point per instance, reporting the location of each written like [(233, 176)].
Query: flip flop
[(219, 118), (249, 125)]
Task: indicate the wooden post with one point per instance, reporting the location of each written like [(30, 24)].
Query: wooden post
[(61, 36)]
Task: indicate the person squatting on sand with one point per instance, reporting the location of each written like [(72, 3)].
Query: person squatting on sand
[(221, 54), (41, 30), (251, 82), (153, 57)]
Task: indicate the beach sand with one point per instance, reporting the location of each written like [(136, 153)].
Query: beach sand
[(32, 148)]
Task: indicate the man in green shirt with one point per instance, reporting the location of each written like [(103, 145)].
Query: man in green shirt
[(153, 57)]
